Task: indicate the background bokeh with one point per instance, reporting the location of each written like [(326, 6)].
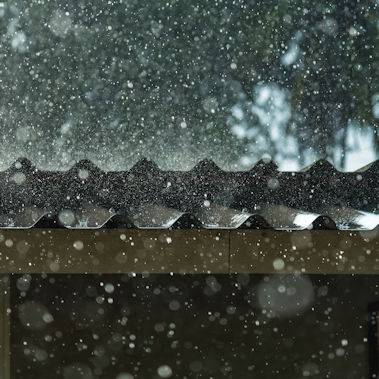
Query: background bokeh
[(177, 81)]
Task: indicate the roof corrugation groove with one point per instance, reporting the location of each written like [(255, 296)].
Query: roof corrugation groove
[(205, 197)]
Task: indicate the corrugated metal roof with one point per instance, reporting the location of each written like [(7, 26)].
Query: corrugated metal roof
[(204, 197)]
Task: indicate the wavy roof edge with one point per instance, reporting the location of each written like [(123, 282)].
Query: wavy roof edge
[(253, 221), (202, 165)]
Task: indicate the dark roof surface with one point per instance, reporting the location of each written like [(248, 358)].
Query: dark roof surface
[(204, 197)]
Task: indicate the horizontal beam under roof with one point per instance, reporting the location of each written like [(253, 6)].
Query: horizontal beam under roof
[(189, 251)]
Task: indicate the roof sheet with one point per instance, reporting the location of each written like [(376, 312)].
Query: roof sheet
[(204, 197)]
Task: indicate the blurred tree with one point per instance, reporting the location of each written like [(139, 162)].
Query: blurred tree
[(122, 78)]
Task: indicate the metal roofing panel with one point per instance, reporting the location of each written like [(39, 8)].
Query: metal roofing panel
[(204, 197)]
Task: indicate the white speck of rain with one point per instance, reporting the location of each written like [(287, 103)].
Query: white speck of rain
[(78, 245), (164, 371), (109, 288), (278, 264)]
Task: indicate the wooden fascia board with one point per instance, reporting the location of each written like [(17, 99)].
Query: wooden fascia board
[(188, 251)]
